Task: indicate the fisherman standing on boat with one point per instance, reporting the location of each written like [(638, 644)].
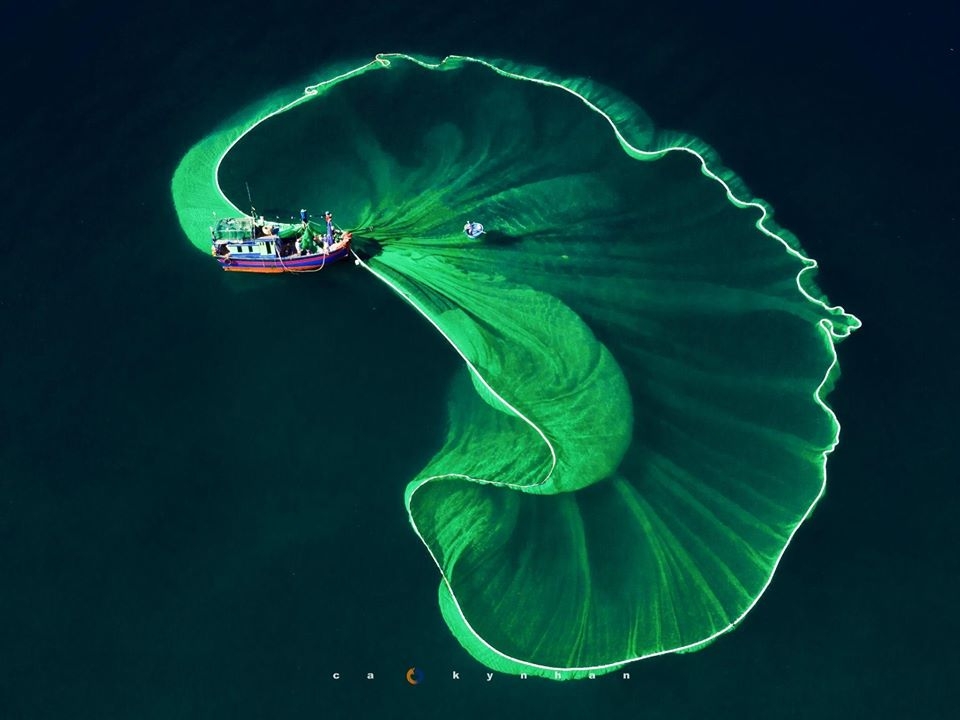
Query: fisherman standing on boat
[(305, 243), (328, 238)]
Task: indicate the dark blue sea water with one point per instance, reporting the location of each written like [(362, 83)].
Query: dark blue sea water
[(149, 571)]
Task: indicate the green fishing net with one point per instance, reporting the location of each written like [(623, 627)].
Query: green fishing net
[(639, 428)]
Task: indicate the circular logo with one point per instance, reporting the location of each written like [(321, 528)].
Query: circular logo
[(414, 676)]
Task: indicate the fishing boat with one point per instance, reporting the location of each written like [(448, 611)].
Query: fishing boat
[(473, 229), (253, 244)]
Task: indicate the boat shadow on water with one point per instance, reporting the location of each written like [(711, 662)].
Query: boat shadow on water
[(494, 238)]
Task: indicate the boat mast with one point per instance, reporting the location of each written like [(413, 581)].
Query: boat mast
[(253, 211)]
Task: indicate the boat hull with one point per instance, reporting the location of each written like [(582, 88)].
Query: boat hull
[(274, 264)]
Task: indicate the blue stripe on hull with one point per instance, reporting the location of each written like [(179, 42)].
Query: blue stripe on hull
[(290, 263)]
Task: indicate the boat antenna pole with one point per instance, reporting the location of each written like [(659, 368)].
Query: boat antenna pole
[(253, 210)]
